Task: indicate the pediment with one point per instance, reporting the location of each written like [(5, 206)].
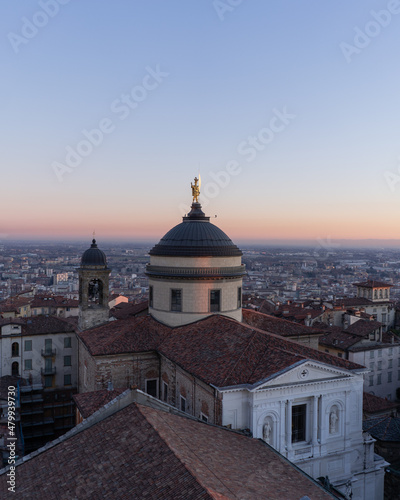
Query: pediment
[(304, 372)]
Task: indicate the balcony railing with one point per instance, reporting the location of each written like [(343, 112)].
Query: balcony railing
[(48, 371), (48, 353)]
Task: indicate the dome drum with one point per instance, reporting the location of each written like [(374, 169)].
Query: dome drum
[(195, 272)]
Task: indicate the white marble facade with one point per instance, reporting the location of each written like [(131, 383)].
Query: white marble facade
[(312, 414)]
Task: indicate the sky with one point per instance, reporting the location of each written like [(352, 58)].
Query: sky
[(289, 111)]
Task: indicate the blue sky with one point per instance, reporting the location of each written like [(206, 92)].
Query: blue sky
[(224, 78)]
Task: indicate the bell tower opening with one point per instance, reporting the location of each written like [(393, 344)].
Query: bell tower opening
[(95, 293), (93, 288)]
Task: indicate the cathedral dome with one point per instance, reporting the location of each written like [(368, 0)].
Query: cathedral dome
[(195, 270), (195, 236), (93, 256)]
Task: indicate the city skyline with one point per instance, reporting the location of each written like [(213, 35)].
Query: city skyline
[(288, 112)]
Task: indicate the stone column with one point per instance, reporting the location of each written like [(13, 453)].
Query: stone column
[(289, 425), (282, 428), (322, 423), (345, 416), (315, 422)]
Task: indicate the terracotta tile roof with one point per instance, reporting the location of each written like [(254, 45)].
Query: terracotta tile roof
[(228, 464), (37, 325), (383, 428), (338, 338), (388, 337), (121, 457), (134, 334), (14, 303), (265, 306), (89, 402), (296, 310), (7, 308), (53, 301), (143, 452), (217, 349), (354, 301), (375, 404), (279, 326), (12, 321), (126, 309), (46, 324), (373, 284), (363, 328)]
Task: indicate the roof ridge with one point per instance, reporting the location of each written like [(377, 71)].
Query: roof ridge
[(118, 336), (241, 356), (192, 473), (87, 423)]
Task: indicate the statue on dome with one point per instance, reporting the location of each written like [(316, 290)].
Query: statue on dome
[(195, 190)]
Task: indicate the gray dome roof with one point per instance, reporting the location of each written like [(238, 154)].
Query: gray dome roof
[(93, 256), (196, 237)]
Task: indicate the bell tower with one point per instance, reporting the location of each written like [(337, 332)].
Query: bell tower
[(93, 288)]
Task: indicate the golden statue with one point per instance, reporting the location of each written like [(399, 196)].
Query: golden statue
[(195, 190)]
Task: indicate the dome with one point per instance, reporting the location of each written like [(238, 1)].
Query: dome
[(93, 256), (196, 237)]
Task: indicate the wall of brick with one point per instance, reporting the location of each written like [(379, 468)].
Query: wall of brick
[(200, 397), (86, 369), (135, 369)]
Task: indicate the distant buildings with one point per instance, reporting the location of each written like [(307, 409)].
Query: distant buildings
[(193, 348)]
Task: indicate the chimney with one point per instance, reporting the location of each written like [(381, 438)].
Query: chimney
[(110, 386)]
